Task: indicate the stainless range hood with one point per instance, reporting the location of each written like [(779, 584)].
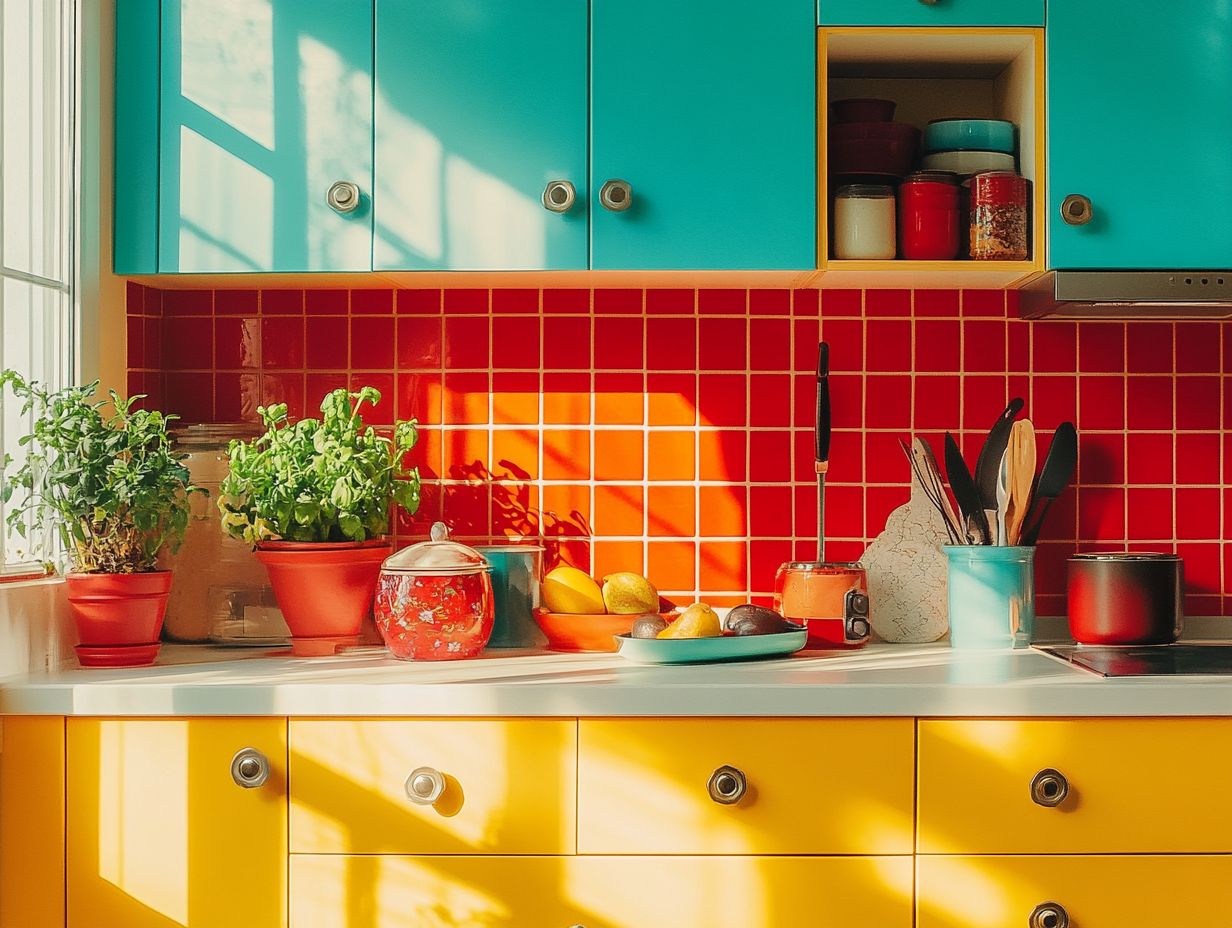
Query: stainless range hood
[(1128, 295)]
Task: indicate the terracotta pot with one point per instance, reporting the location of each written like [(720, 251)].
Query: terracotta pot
[(118, 609), (324, 589)]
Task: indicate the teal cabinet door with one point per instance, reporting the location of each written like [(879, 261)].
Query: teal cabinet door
[(479, 107), (938, 13), (264, 107), (1140, 123), (708, 113)]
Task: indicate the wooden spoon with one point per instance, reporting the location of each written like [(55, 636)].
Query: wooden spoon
[(1021, 463)]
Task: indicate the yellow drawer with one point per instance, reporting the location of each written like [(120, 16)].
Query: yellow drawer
[(1084, 892), (813, 786), (1134, 785), (508, 786), (612, 892)]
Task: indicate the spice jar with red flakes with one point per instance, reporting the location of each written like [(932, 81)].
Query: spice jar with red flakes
[(999, 217), (434, 600)]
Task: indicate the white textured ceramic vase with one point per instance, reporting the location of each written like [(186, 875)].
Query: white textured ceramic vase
[(906, 574)]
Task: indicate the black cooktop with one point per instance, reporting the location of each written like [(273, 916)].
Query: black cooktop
[(1162, 660)]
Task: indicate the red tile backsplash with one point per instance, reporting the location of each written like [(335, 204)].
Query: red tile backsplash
[(670, 430)]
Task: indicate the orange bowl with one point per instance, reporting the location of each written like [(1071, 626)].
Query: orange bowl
[(587, 632)]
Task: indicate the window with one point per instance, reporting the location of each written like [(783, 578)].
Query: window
[(37, 55)]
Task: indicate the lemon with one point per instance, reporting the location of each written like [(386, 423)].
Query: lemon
[(571, 591), (629, 594), (698, 621)]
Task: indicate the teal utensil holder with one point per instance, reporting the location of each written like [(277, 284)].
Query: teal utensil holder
[(991, 596)]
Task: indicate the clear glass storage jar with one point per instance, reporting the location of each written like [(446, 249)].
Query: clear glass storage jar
[(864, 222), (220, 592), (999, 217)]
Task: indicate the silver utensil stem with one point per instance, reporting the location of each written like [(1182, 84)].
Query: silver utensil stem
[(821, 518)]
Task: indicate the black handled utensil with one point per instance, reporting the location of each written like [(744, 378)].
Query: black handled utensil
[(1055, 475), (974, 521), (821, 443), (988, 464)]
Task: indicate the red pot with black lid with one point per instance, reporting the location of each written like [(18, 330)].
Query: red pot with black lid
[(1125, 598)]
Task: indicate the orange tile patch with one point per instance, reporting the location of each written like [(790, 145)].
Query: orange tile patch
[(515, 454), (566, 454), (618, 455), (722, 511), (672, 511), (670, 456), (672, 565), (618, 510), (612, 557)]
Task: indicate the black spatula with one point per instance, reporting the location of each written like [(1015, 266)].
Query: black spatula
[(968, 497), (1055, 475)]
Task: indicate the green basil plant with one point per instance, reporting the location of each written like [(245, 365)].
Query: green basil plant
[(318, 480), (102, 472)]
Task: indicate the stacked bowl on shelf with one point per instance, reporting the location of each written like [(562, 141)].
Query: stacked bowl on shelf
[(966, 200)]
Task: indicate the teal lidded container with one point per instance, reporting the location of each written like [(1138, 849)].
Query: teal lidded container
[(516, 573)]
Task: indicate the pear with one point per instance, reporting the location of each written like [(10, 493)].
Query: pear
[(629, 594), (698, 621)]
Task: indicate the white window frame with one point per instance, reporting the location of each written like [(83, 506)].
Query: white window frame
[(51, 327)]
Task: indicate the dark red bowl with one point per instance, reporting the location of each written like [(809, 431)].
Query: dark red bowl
[(873, 148), (862, 109)]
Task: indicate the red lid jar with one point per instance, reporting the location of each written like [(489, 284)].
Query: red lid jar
[(928, 219), (434, 600), (999, 217)]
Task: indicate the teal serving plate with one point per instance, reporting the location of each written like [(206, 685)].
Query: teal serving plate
[(710, 650)]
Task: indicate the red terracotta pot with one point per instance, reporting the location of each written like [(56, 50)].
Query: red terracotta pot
[(324, 589), (119, 611)]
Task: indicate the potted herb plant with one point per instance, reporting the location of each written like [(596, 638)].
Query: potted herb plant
[(314, 498), (103, 473)]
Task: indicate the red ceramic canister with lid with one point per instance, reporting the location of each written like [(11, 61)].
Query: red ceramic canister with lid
[(928, 219), (434, 600)]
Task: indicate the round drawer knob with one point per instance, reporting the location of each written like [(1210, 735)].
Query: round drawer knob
[(616, 195), (1076, 210), (727, 785), (559, 196), (1049, 788), (1049, 915), (425, 786), (250, 768), (343, 196)]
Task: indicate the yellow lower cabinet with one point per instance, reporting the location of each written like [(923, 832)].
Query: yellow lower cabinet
[(746, 786), (1134, 891), (329, 891), (433, 786), (1075, 786), (160, 832), (32, 823)]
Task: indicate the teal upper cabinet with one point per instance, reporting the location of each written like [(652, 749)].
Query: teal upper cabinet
[(1140, 124), (933, 12), (479, 108), (707, 112), (265, 135)]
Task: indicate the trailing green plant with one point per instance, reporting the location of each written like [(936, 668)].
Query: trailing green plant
[(102, 471), (327, 479)]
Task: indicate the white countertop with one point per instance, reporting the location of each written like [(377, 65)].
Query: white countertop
[(882, 680)]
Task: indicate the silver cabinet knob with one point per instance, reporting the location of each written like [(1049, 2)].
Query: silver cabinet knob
[(250, 768), (559, 196), (616, 195), (425, 786), (343, 196), (1049, 915), (1077, 210), (1049, 788), (727, 785)]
